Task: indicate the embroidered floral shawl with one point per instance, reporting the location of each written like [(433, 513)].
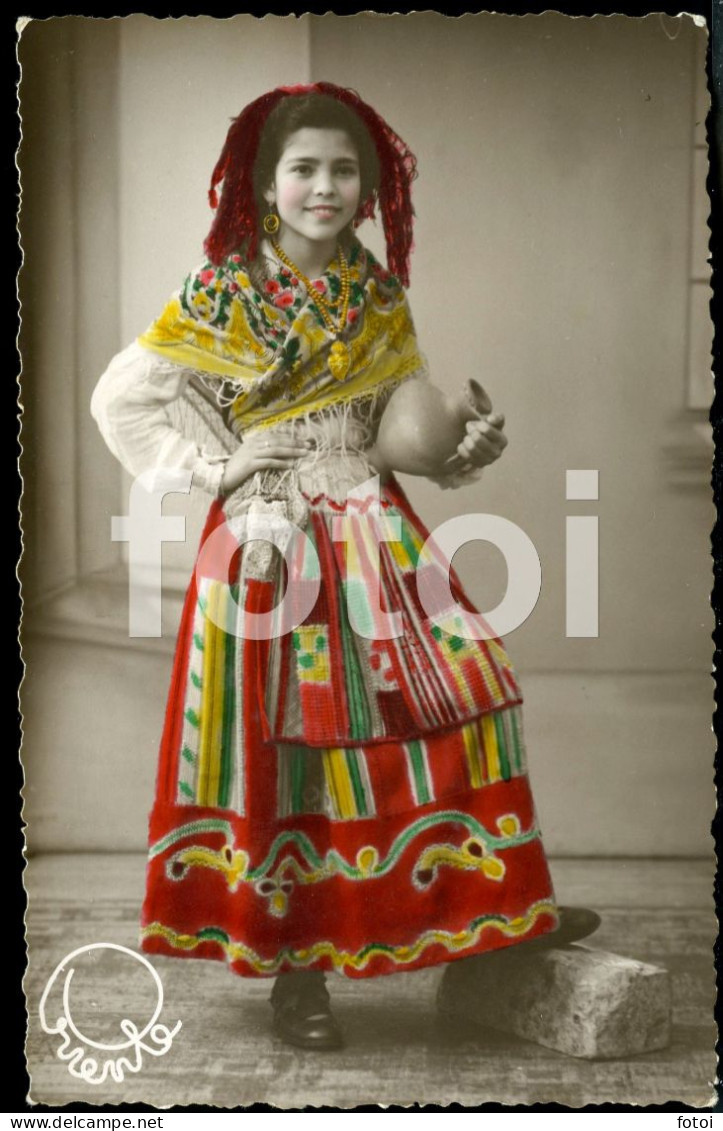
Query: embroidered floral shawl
[(262, 344)]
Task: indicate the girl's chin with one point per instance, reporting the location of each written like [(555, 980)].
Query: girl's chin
[(325, 229), (312, 236)]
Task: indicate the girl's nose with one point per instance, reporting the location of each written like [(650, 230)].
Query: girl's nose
[(324, 185)]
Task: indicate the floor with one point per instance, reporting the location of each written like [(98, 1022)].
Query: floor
[(398, 1050)]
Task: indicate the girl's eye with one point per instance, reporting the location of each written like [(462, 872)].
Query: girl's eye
[(305, 170)]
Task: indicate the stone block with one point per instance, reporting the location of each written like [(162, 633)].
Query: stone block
[(580, 1001)]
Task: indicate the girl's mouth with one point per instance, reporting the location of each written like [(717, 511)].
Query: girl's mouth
[(324, 211)]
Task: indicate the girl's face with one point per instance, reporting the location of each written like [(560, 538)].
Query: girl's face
[(316, 186)]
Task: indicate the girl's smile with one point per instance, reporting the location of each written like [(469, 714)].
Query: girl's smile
[(316, 193)]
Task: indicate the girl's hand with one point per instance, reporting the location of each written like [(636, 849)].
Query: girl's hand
[(484, 443), (260, 451)]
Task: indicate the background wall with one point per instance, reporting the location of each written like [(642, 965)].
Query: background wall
[(553, 241)]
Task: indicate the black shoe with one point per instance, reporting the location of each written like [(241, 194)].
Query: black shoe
[(575, 923), (302, 1011)]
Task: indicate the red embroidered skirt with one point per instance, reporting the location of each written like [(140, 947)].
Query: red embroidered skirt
[(328, 798)]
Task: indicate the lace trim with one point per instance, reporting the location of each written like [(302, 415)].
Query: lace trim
[(347, 428), (344, 430)]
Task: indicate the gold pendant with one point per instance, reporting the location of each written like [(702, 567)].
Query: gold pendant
[(339, 360)]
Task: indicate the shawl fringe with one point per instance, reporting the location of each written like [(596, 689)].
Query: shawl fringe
[(342, 434)]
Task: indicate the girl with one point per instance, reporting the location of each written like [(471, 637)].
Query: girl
[(330, 796)]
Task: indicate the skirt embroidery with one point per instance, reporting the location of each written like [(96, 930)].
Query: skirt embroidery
[(477, 851), (212, 943)]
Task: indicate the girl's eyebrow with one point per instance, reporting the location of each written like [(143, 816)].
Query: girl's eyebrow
[(315, 160)]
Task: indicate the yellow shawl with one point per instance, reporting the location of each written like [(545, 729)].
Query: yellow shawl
[(265, 344)]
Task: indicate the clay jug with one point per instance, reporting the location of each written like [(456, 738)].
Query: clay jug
[(421, 426)]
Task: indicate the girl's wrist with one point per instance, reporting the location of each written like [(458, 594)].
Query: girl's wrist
[(223, 486)]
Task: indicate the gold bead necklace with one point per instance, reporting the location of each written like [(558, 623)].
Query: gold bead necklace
[(339, 354)]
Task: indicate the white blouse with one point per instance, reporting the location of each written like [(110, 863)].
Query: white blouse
[(130, 406)]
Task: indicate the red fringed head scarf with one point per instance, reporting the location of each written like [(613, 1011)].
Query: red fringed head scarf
[(236, 225)]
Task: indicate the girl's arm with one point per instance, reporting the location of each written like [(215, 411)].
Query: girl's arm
[(130, 406), (459, 475)]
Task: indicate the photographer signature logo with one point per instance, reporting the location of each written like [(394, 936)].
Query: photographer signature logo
[(86, 1057)]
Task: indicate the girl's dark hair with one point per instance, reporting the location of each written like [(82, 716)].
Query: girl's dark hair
[(312, 111), (254, 144)]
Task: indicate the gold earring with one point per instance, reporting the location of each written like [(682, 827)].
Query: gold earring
[(271, 223)]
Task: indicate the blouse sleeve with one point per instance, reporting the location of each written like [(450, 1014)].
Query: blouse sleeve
[(130, 406)]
